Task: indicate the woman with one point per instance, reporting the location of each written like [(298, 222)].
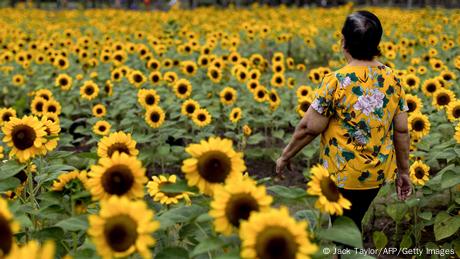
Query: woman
[(360, 112)]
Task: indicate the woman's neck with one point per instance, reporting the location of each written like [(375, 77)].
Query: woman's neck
[(357, 62)]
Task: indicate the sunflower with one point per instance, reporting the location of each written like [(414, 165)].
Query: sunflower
[(116, 75), (448, 76), (234, 202), (304, 91), (8, 227), (108, 88), (6, 114), (254, 74), (453, 110), (247, 131), (148, 98), (457, 133), (155, 190), (61, 63), (183, 88), (37, 105), (278, 80), (117, 142), (215, 74), (155, 77), (315, 76), (442, 98), (419, 173), (102, 128), (155, 116), (52, 106), (44, 93), (213, 162), (99, 110), (274, 99), (122, 228), (242, 74), (430, 86), (33, 250), (18, 80), (235, 115), (136, 78), (228, 96), (419, 125), (260, 94), (67, 177), (189, 68), (410, 82), (118, 175), (252, 85), (52, 130), (89, 90), (1, 152), (201, 117), (414, 103), (264, 235), (25, 136), (330, 200), (63, 81), (189, 107), (153, 64)]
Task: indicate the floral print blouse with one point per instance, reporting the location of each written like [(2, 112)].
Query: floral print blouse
[(357, 147)]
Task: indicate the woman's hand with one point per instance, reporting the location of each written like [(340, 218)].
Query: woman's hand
[(403, 186), (282, 163)]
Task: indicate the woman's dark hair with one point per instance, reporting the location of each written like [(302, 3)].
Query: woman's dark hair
[(362, 32)]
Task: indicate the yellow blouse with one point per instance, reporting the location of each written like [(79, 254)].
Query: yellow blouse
[(357, 147)]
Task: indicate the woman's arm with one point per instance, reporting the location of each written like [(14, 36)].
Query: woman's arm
[(401, 140), (311, 125)]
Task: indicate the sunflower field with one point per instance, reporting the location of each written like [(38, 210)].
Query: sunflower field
[(155, 134)]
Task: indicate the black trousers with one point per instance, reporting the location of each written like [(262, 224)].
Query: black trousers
[(360, 202)]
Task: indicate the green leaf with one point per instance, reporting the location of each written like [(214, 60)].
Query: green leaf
[(450, 178), (343, 231), (177, 187), (207, 245), (234, 254), (445, 225), (310, 215), (183, 214), (278, 134), (426, 215), (9, 184), (287, 193), (10, 168), (380, 239), (73, 224), (255, 139), (397, 211), (406, 241), (174, 252)]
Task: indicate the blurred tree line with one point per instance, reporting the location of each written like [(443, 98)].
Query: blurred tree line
[(166, 4)]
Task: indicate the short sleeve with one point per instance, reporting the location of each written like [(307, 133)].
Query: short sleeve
[(324, 96), (402, 103)]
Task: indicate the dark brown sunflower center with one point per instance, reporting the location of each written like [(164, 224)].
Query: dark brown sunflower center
[(243, 75), (278, 80), (6, 116), (329, 190), (418, 125), (214, 166), (52, 108), (6, 236), (278, 68), (447, 77), (411, 105), (120, 232), (190, 69), (120, 147), (23, 137), (39, 106), (443, 99), (190, 108), (102, 128), (239, 207), (63, 81), (155, 78), (456, 112), (99, 110), (236, 115), (154, 117), (273, 97), (116, 75), (253, 85), (316, 76), (304, 106), (62, 62), (118, 58), (150, 99), (89, 90), (201, 117), (261, 94), (304, 93), (137, 78), (431, 88), (182, 89), (410, 82), (228, 96), (276, 243), (419, 173), (117, 180)]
